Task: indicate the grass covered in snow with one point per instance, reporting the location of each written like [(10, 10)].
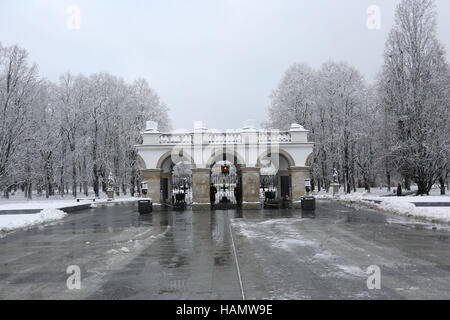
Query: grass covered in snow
[(400, 205), (19, 202), (50, 209), (19, 221), (37, 204)]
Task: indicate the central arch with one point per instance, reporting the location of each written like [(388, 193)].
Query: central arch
[(218, 155), (225, 186)]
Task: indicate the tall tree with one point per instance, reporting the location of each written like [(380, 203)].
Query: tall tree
[(18, 82), (414, 89), (70, 136)]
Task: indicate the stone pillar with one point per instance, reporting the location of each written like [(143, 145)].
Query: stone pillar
[(153, 179), (201, 181), (298, 176), (250, 188)]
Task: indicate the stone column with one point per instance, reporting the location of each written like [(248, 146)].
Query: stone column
[(201, 181), (250, 188), (298, 176), (153, 179)]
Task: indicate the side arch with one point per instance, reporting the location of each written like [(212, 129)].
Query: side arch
[(309, 160), (168, 154), (281, 152), (141, 162)]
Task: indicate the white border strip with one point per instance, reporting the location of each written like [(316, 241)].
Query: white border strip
[(237, 264)]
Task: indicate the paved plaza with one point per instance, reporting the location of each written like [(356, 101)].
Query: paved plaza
[(281, 254)]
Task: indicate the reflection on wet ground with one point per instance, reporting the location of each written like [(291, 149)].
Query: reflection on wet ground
[(283, 254), (194, 260)]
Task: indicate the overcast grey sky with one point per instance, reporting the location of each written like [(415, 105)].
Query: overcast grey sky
[(210, 60)]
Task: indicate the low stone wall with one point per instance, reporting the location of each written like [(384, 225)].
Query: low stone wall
[(76, 208)]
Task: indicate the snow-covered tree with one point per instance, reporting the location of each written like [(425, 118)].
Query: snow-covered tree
[(397, 129), (293, 99), (18, 83), (328, 102), (414, 87), (70, 136)]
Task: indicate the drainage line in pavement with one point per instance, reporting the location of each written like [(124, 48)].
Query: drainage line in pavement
[(237, 264)]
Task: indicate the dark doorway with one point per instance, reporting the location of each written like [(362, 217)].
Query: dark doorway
[(285, 186), (164, 190)]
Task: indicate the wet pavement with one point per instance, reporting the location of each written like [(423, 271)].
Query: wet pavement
[(326, 255), (194, 260), (281, 254)]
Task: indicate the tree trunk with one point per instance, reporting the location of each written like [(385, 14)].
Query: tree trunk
[(366, 183), (104, 179), (353, 183), (74, 178), (442, 185), (116, 175), (52, 175), (48, 178), (138, 186), (132, 181), (94, 159), (85, 188), (30, 190), (85, 181), (95, 181), (408, 184), (61, 180), (388, 180), (422, 187), (62, 169), (346, 168), (347, 180)]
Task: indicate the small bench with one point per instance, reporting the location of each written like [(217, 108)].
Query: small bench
[(93, 199)]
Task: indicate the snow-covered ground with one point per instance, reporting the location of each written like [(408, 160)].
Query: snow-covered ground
[(399, 205), (385, 192), (38, 204), (19, 202), (50, 209), (18, 221)]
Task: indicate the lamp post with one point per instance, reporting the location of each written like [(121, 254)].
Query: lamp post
[(308, 186)]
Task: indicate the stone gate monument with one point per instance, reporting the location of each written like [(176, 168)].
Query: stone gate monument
[(283, 155)]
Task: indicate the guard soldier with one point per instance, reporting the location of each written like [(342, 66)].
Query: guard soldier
[(238, 194), (399, 190), (212, 194)]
